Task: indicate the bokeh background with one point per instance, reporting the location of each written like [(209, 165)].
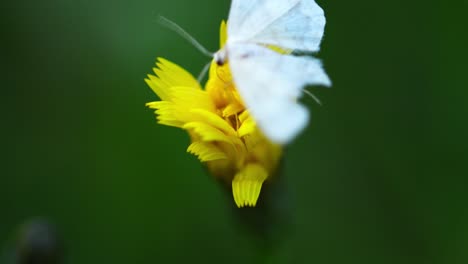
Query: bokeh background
[(379, 176)]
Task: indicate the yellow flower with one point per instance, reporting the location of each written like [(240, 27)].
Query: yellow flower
[(223, 134)]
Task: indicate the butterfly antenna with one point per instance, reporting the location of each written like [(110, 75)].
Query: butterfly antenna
[(177, 29), (203, 72), (313, 97)]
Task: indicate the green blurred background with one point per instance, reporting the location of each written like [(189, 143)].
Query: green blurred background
[(379, 176)]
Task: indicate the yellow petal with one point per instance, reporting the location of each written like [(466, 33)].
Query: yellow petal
[(232, 109), (248, 127), (160, 89), (176, 75), (247, 184), (205, 151), (215, 121), (207, 132), (190, 98), (222, 34)]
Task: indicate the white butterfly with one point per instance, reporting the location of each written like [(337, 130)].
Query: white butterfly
[(270, 83)]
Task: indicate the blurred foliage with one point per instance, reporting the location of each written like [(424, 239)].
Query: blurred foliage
[(378, 177)]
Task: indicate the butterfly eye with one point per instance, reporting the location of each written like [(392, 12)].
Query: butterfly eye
[(220, 57)]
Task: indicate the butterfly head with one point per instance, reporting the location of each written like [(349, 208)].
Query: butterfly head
[(220, 57)]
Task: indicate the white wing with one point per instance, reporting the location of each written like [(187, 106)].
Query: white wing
[(270, 84), (248, 17), (291, 24)]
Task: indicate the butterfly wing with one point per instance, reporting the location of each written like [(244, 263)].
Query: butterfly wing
[(290, 24), (270, 84), (248, 17)]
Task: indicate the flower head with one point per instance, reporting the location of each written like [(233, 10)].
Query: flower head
[(224, 136)]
